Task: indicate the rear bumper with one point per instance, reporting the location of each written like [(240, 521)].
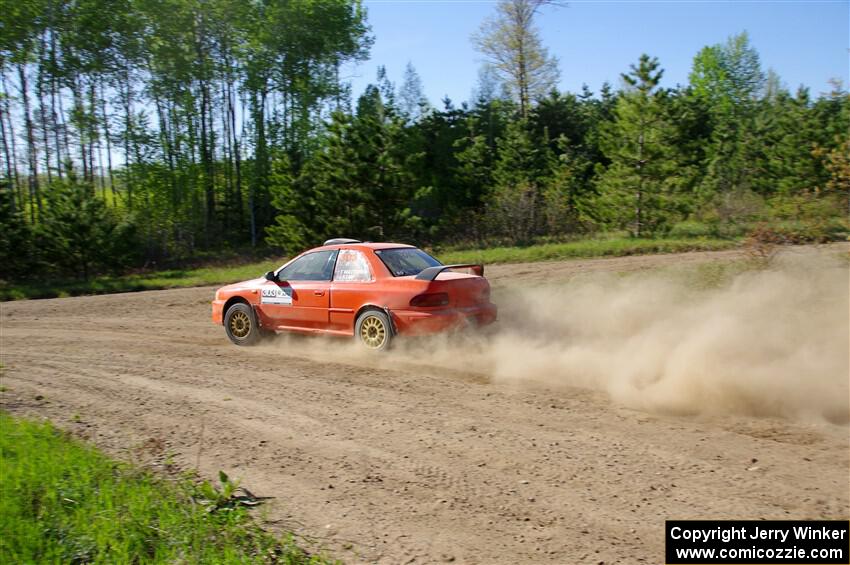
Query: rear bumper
[(217, 311), (419, 322)]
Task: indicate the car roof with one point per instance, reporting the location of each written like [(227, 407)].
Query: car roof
[(367, 245)]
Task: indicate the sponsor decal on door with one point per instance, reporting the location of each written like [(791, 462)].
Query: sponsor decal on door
[(276, 295)]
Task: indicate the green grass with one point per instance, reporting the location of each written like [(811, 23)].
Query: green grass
[(175, 278), (206, 276), (587, 248), (64, 502)]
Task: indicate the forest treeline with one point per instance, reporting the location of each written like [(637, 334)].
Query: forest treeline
[(137, 132)]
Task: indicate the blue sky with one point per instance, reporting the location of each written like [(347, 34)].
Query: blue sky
[(806, 41)]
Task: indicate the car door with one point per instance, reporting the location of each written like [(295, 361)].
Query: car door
[(351, 283), (301, 297)]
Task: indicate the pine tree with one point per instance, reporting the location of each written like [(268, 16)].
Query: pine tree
[(727, 79), (567, 196), (785, 137), (358, 183), (514, 208), (16, 245), (636, 187), (79, 235), (473, 173), (293, 198)]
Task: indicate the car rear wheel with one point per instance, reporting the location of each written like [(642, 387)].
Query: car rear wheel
[(240, 324), (373, 330)]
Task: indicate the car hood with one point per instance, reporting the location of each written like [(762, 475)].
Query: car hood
[(244, 285)]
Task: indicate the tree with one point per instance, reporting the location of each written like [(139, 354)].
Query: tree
[(837, 164), (488, 86), (412, 101), (359, 183), (468, 140), (511, 44), (636, 185), (782, 144), (16, 249), (515, 204), (204, 122), (727, 79), (568, 195), (296, 225), (474, 170), (79, 235)]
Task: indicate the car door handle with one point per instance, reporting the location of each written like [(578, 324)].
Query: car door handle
[(319, 292)]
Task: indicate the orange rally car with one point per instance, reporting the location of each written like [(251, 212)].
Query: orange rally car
[(373, 291)]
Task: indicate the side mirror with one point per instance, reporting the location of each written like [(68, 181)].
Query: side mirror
[(271, 276)]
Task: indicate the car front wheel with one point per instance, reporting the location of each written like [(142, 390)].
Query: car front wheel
[(240, 324)]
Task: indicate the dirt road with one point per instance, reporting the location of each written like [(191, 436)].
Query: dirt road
[(396, 460)]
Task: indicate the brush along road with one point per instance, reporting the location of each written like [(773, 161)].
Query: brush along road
[(441, 450)]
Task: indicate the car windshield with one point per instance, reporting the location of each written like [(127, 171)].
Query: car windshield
[(315, 266), (406, 261)]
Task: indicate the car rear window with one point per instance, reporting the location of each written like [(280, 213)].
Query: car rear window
[(406, 261)]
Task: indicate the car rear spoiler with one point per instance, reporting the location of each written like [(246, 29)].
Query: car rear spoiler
[(431, 273)]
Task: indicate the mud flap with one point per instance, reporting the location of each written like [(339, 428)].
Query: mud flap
[(393, 329), (257, 316)]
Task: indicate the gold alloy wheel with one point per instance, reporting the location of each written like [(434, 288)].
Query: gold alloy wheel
[(372, 332), (240, 324)]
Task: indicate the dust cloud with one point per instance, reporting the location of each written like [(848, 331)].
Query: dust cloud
[(771, 342)]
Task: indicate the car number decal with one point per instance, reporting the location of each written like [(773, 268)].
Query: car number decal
[(276, 295)]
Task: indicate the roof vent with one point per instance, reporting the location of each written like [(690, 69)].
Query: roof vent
[(341, 241)]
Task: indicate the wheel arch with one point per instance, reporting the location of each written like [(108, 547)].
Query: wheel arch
[(364, 308), (383, 309), (230, 302)]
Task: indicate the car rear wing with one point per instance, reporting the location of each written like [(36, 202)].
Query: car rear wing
[(431, 273)]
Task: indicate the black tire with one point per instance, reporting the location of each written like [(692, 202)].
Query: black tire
[(241, 326), (373, 330)]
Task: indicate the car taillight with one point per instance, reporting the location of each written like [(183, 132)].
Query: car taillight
[(430, 300)]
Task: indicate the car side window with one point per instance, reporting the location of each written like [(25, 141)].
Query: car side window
[(316, 266), (352, 266)]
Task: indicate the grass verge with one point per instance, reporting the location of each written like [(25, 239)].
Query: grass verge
[(174, 278), (64, 502), (587, 248), (204, 276)]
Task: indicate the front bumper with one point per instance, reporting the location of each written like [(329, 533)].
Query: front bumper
[(422, 322), (217, 311)]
